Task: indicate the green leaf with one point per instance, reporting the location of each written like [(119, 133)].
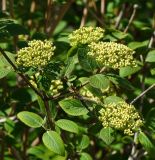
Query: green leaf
[(53, 141), (99, 81), (112, 99), (30, 119), (106, 134), (86, 62), (85, 156), (120, 81), (128, 70), (4, 72), (9, 125), (16, 29), (73, 107), (150, 56), (67, 125), (137, 45), (145, 141), (84, 143), (150, 119), (70, 66)]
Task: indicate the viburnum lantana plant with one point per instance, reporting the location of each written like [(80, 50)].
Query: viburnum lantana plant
[(80, 96)]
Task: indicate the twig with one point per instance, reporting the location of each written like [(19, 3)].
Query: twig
[(120, 15), (135, 7), (15, 153), (84, 16), (151, 40), (61, 14), (48, 113), (96, 17), (3, 5), (20, 74), (4, 119), (102, 7), (134, 153), (143, 93)]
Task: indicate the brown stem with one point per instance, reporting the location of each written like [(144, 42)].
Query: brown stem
[(120, 16), (84, 17), (48, 14), (3, 5), (25, 140), (15, 153), (135, 7), (103, 7), (61, 14), (48, 113), (32, 10), (20, 74)]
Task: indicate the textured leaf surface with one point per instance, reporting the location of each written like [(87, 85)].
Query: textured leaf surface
[(106, 135), (53, 141), (73, 107), (30, 119), (67, 125), (99, 81)]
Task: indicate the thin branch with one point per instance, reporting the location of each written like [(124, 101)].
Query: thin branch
[(61, 14), (84, 16), (103, 7), (15, 153), (3, 5), (2, 120), (135, 7), (20, 74), (48, 113), (134, 153), (120, 16), (143, 93)]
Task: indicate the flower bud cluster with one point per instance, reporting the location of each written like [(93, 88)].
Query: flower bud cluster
[(86, 93), (112, 54), (56, 86), (38, 53), (86, 35), (32, 80), (121, 116)]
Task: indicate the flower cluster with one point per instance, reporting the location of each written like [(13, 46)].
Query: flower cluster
[(86, 93), (121, 116), (37, 54), (111, 54), (86, 35), (56, 86)]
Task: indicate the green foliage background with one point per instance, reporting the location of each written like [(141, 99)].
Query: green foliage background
[(56, 128)]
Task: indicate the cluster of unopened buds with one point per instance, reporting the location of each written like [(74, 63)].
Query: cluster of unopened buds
[(86, 35), (121, 116), (107, 54), (56, 87), (37, 54)]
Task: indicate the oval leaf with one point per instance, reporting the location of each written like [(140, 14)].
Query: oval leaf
[(84, 143), (30, 119), (85, 156), (150, 56), (106, 135), (112, 99), (99, 81), (53, 141), (128, 70), (67, 125), (86, 62), (145, 142), (73, 107)]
